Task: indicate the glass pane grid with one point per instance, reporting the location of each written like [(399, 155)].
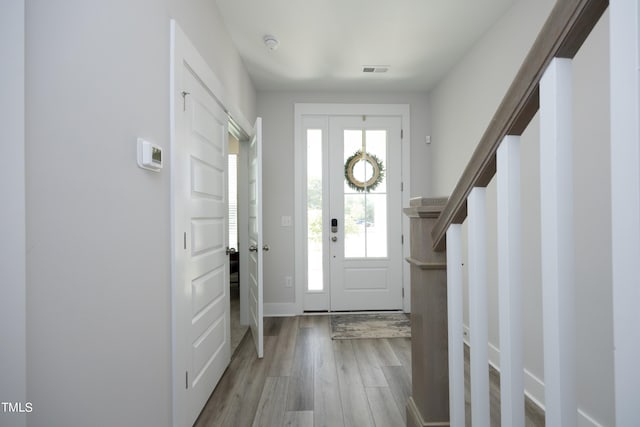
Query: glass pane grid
[(365, 213)]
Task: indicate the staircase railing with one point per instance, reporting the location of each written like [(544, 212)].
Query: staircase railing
[(567, 27), (544, 84)]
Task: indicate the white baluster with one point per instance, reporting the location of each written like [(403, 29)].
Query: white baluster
[(455, 311), (625, 201), (556, 211), (510, 282), (478, 308)]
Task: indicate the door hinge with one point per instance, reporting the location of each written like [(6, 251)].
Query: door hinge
[(184, 100), (401, 186), (186, 378), (402, 238), (402, 292), (401, 133), (185, 240)]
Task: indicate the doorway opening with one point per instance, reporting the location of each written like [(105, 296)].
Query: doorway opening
[(238, 329), (245, 219)]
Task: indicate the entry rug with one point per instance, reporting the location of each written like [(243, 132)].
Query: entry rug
[(356, 326)]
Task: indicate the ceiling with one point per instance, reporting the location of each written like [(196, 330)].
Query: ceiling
[(323, 44)]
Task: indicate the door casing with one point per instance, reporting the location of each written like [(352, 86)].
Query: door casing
[(300, 111)]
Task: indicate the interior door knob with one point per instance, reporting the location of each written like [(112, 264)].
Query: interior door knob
[(265, 248), (231, 250), (253, 248)]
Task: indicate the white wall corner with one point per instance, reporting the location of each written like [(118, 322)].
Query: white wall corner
[(13, 370)]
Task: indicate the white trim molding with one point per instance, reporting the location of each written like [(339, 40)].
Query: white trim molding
[(534, 388), (280, 309)]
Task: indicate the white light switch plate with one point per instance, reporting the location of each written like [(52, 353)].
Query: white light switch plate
[(286, 221)]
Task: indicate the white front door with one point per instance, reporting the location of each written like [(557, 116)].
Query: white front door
[(256, 245), (199, 199), (366, 213), (353, 214)]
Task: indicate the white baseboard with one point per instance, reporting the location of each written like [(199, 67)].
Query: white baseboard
[(280, 309), (534, 386), (584, 420)]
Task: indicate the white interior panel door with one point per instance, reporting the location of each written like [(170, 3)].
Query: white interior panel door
[(256, 245), (202, 347), (365, 231)]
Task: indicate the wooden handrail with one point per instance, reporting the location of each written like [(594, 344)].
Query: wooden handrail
[(567, 27)]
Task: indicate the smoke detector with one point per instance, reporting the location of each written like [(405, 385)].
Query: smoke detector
[(375, 68), (271, 42)]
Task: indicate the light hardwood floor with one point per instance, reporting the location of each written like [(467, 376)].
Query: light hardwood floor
[(306, 379), (237, 330)]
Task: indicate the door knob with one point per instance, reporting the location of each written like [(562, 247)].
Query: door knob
[(265, 248), (231, 250), (334, 238), (253, 248)]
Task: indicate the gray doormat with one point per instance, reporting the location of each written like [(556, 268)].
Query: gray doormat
[(355, 326)]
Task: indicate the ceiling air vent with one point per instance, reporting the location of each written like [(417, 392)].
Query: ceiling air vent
[(375, 68)]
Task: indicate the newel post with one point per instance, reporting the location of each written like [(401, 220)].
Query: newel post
[(429, 400)]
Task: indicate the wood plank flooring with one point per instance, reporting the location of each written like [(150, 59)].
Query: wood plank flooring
[(307, 379)]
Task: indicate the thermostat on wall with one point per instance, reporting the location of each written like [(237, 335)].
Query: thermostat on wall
[(149, 155)]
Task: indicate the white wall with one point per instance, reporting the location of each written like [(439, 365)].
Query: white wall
[(592, 227), (276, 109), (98, 227), (12, 211), (470, 94), (464, 102), (202, 22)]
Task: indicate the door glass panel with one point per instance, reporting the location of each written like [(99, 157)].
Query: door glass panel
[(365, 212), (314, 210), (376, 143), (352, 143), (376, 225), (354, 225)]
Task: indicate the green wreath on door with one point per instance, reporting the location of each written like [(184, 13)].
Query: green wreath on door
[(376, 165)]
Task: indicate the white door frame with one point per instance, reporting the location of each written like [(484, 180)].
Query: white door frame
[(255, 230), (243, 216), (301, 110), (183, 51)]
